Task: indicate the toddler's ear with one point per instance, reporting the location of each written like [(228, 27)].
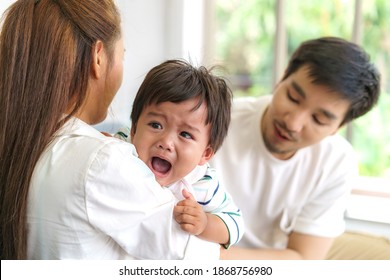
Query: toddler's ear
[(207, 155)]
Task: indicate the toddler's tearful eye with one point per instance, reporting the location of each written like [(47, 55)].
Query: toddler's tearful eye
[(186, 135)]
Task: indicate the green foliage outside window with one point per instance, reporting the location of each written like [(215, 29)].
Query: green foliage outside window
[(245, 44)]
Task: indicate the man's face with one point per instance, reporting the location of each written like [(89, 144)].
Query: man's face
[(301, 114)]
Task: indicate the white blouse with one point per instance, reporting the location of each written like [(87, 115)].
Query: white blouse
[(92, 198)]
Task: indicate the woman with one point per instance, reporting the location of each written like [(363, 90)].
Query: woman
[(66, 190)]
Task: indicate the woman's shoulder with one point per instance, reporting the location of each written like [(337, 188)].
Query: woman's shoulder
[(83, 141)]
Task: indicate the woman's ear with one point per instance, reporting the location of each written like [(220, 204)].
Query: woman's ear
[(132, 132), (207, 155), (98, 59)]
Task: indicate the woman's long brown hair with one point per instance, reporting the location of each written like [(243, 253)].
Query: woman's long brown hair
[(45, 59)]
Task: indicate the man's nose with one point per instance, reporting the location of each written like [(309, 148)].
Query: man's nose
[(295, 121)]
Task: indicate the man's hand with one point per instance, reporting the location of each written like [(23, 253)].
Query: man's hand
[(190, 215)]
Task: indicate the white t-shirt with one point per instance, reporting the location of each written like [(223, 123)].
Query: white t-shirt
[(306, 193), (90, 199)]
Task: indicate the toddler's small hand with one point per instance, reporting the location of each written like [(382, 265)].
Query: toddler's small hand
[(190, 215)]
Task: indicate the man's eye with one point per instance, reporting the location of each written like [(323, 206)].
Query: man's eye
[(291, 98), (317, 120), (186, 135)]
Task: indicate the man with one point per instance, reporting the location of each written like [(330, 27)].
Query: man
[(283, 162)]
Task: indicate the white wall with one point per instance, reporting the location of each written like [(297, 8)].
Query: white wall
[(4, 4), (154, 30)]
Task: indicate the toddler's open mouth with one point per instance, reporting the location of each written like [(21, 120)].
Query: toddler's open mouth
[(161, 165)]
